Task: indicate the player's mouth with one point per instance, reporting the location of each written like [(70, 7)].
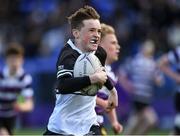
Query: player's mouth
[(94, 40), (117, 52)]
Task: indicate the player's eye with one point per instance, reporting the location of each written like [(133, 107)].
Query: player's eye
[(91, 30)]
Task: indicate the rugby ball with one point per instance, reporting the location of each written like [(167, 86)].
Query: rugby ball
[(87, 64)]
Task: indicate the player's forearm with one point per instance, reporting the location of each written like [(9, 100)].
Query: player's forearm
[(101, 102), (113, 98), (172, 74), (112, 116), (168, 71), (70, 85)]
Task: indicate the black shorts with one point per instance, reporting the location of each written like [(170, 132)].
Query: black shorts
[(177, 101), (139, 106), (8, 123), (94, 130)]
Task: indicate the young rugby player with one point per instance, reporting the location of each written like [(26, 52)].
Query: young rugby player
[(14, 82), (110, 44), (74, 113), (165, 62), (144, 73)]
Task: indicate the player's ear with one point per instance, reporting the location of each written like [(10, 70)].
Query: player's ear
[(75, 33)]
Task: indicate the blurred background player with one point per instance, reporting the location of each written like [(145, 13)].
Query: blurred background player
[(110, 44), (166, 63), (14, 82), (143, 73)]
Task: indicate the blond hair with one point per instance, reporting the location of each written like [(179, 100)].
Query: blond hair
[(106, 29)]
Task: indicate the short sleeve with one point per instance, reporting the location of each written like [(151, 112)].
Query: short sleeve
[(27, 90)]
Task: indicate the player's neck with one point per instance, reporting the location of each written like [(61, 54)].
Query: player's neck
[(12, 72), (79, 45)]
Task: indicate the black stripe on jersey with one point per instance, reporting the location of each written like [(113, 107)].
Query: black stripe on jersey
[(22, 77), (10, 89), (5, 101), (6, 109), (1, 75), (28, 86)]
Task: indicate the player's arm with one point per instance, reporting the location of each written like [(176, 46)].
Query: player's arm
[(103, 103), (164, 65), (25, 106), (101, 54), (67, 83), (25, 101), (113, 97), (158, 77), (112, 101), (117, 127)]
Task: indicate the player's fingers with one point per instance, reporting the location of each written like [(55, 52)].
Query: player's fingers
[(101, 69)]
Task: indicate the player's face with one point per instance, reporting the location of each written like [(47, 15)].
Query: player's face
[(89, 35), (110, 44), (14, 62)]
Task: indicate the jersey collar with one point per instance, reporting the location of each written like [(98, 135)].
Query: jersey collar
[(73, 46), (7, 74)]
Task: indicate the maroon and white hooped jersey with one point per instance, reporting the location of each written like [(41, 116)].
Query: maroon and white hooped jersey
[(10, 88)]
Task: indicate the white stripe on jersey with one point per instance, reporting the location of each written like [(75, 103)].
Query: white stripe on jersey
[(64, 72), (27, 92), (7, 95)]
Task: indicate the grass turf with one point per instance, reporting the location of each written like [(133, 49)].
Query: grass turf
[(39, 131)]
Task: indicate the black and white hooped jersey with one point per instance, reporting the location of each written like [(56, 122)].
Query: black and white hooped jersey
[(73, 113), (10, 88), (143, 71), (174, 59), (66, 61)]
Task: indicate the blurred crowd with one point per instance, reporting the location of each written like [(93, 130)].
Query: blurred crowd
[(41, 25)]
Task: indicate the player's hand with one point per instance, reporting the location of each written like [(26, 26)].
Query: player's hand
[(99, 76), (16, 107), (113, 99), (117, 127)]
